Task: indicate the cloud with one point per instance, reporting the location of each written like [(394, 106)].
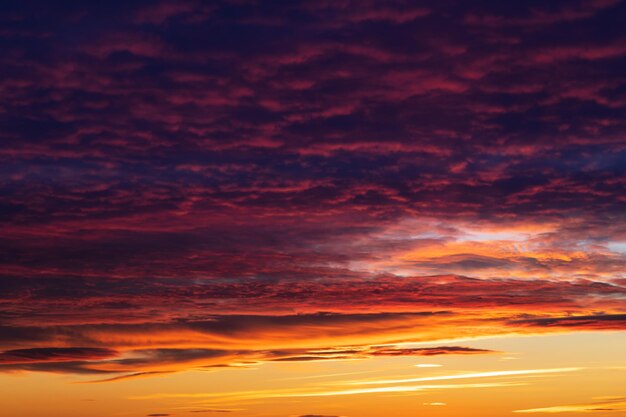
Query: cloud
[(241, 339), (318, 415), (536, 16), (356, 183), (615, 404), (127, 301), (130, 376), (251, 340), (156, 362), (383, 386), (595, 322), (492, 374), (293, 393), (362, 352), (69, 354), (431, 351)]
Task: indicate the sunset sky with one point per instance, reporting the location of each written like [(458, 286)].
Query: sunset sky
[(324, 208)]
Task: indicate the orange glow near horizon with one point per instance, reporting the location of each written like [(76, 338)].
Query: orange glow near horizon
[(445, 345), (479, 385)]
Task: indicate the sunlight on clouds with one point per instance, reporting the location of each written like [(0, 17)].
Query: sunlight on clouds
[(252, 395), (467, 376), (521, 251), (393, 388), (498, 249), (405, 388)]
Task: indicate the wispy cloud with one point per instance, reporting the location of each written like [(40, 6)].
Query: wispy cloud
[(393, 386), (467, 376), (295, 393), (615, 404)]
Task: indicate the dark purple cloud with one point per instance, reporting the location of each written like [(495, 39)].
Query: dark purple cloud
[(256, 163), (598, 321), (126, 111), (39, 355)]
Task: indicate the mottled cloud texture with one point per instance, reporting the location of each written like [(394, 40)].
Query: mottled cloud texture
[(185, 184)]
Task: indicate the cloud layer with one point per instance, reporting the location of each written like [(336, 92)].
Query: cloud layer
[(190, 185)]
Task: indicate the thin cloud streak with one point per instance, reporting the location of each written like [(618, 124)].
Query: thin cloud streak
[(618, 404), (467, 376), (255, 395), (321, 392)]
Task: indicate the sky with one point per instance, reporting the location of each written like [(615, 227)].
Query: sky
[(325, 208)]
